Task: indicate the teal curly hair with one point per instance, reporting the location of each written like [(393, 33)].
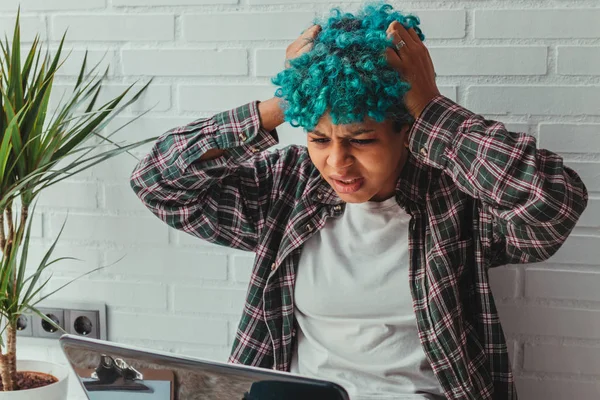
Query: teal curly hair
[(346, 72)]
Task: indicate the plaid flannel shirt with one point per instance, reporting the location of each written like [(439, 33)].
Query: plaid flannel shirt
[(479, 197)]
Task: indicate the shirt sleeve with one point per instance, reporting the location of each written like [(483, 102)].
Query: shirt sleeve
[(535, 201), (223, 200)]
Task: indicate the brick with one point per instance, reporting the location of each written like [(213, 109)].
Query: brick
[(448, 91), (116, 27), (516, 127), (570, 138), (269, 62), (537, 23), (204, 300), (245, 26), (242, 268), (115, 170), (589, 172), (144, 295), (30, 27), (565, 359), (492, 60), (162, 327), (221, 97), (156, 97), (73, 60), (87, 259), (540, 100), (71, 195), (503, 281), (170, 263), (36, 220), (84, 174), (54, 5), (173, 62), (550, 321), (562, 284), (578, 60), (591, 216), (104, 228), (146, 127), (147, 3), (443, 24), (531, 388), (578, 250), (121, 198)]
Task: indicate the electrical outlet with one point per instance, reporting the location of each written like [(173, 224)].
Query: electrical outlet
[(44, 329), (25, 325), (87, 319), (83, 323), (76, 318)]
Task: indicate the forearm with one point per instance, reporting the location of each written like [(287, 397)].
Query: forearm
[(271, 116), (504, 169), (270, 113)]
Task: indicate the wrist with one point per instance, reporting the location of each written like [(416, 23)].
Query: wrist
[(270, 113), (425, 101)]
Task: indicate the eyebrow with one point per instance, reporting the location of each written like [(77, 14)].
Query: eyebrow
[(354, 133)]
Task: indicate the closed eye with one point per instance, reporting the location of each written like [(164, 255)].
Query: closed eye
[(360, 142)]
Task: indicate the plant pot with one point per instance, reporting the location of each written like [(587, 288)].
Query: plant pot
[(55, 391)]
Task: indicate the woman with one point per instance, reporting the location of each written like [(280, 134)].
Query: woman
[(372, 242)]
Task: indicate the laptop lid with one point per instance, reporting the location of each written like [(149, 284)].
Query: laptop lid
[(109, 370)]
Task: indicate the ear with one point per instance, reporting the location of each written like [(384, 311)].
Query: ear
[(408, 128)]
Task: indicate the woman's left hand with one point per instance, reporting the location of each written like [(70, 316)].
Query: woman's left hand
[(414, 64)]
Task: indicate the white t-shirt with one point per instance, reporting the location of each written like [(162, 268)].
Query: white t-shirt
[(354, 307)]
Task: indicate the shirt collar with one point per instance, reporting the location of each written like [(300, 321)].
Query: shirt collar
[(412, 184)]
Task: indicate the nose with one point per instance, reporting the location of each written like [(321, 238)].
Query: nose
[(339, 156)]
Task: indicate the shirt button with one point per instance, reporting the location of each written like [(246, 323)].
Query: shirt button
[(254, 149), (337, 208), (293, 332), (308, 228), (424, 151), (273, 267), (243, 137), (320, 196)]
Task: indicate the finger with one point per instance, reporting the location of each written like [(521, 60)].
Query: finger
[(308, 44), (398, 28), (394, 60), (312, 31), (395, 40), (305, 38), (414, 35)]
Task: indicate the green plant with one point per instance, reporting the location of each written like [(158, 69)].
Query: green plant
[(38, 150)]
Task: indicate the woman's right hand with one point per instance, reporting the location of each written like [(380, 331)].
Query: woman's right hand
[(301, 45)]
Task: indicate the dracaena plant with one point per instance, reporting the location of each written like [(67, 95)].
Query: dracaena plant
[(40, 147)]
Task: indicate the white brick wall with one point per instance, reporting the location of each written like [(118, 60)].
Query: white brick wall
[(533, 64)]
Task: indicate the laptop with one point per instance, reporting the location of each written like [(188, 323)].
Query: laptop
[(111, 371)]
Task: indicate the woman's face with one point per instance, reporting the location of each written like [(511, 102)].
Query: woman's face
[(361, 161)]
